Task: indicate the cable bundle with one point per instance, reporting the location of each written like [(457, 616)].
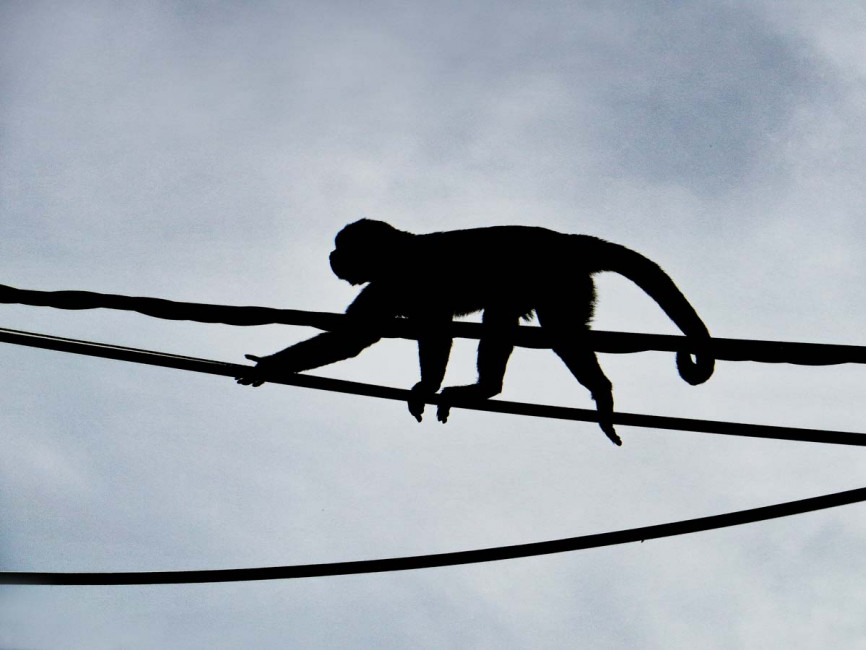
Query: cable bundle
[(533, 337)]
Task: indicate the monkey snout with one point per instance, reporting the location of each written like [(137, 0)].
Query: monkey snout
[(343, 268), (337, 265)]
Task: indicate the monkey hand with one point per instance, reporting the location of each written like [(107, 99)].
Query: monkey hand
[(418, 399), (266, 366), (254, 376)]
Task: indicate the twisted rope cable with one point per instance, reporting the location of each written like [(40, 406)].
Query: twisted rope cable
[(813, 354)]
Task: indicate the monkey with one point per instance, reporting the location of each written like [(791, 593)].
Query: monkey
[(509, 273)]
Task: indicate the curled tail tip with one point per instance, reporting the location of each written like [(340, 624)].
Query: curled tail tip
[(695, 371)]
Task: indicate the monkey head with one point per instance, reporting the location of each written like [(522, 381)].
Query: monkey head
[(365, 250)]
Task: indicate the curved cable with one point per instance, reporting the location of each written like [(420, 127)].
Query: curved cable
[(530, 337), (208, 366), (532, 549)]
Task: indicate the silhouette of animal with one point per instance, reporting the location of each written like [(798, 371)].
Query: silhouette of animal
[(509, 273)]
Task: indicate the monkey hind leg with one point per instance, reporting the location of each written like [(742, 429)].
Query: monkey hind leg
[(494, 350), (468, 393), (565, 323), (583, 364)]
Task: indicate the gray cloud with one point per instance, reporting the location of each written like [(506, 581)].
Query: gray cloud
[(211, 150)]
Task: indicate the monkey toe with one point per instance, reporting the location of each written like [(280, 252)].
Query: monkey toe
[(611, 433)]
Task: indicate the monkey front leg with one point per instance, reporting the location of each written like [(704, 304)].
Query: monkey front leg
[(433, 353), (318, 351)]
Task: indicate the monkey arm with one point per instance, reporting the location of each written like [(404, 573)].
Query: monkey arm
[(320, 350), (365, 318)]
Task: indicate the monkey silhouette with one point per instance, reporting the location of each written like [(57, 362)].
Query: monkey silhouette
[(507, 272)]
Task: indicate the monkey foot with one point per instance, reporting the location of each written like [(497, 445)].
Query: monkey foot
[(610, 433), (418, 395)]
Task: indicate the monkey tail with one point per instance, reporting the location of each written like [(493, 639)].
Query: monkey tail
[(694, 363)]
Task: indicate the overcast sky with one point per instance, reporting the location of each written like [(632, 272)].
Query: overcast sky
[(210, 151)]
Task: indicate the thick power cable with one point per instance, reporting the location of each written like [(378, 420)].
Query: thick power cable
[(207, 366), (531, 337), (582, 542)]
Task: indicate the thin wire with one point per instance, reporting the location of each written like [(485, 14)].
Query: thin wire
[(195, 364), (813, 354), (476, 556)]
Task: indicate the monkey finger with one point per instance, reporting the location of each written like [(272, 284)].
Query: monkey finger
[(252, 357), (442, 413)]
